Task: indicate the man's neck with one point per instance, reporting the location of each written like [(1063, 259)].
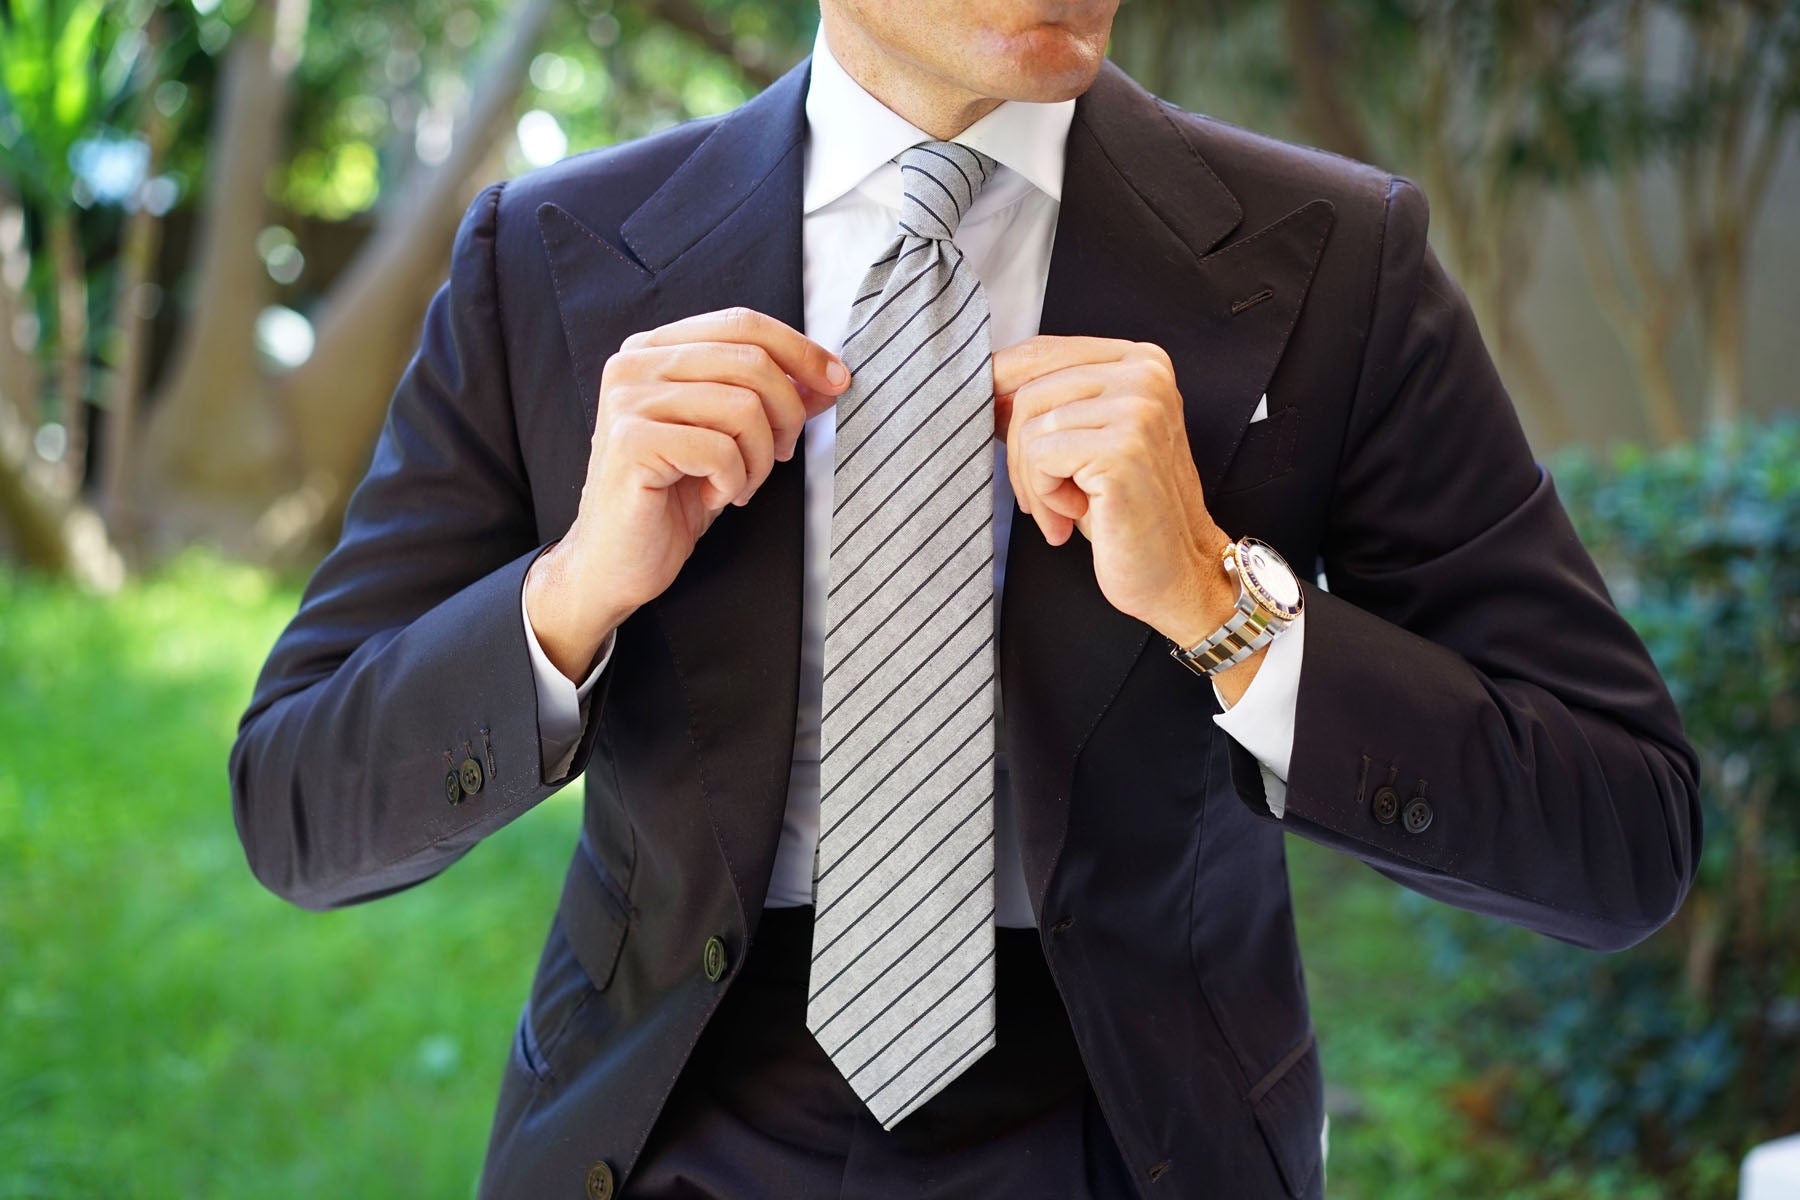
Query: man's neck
[(930, 102)]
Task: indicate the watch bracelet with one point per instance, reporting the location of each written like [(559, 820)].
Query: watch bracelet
[(1226, 646)]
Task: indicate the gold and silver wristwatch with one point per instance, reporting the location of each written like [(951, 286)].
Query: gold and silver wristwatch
[(1268, 600)]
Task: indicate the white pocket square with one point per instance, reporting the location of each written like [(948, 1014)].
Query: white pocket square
[(1262, 410)]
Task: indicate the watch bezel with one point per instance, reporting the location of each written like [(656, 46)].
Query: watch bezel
[(1257, 587)]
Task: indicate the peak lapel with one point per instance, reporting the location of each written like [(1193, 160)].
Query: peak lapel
[(1134, 258), (723, 230)]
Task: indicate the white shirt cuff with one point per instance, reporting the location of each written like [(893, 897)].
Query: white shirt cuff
[(561, 703), (1262, 721)]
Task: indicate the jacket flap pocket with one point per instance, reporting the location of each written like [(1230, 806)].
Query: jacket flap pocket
[(1289, 1105), (594, 914)]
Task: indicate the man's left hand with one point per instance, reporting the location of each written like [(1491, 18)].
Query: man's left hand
[(1096, 441)]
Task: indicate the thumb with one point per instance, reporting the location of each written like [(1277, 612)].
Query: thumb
[(1003, 406), (813, 400)]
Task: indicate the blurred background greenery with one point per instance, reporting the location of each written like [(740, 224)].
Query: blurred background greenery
[(220, 223)]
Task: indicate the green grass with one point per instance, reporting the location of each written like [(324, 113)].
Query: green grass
[(169, 1029)]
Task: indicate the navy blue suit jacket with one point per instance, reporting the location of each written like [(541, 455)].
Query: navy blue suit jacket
[(1466, 655)]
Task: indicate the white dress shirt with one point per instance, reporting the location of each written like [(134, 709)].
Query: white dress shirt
[(851, 203)]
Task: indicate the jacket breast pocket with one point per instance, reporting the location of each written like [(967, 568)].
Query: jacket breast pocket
[(1265, 453)]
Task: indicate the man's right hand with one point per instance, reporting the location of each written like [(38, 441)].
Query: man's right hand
[(692, 416)]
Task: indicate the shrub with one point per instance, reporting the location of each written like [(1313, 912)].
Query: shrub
[(1676, 1056)]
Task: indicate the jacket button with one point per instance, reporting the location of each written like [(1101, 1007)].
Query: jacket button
[(1384, 805), (600, 1181), (712, 959), (471, 776), (1418, 815), (452, 788)]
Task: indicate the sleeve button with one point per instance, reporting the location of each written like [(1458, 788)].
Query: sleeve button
[(1384, 805), (600, 1181), (1418, 815), (471, 776), (453, 788)]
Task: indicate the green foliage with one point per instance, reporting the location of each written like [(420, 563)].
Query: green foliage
[(1701, 543), (1674, 1057), (47, 93), (378, 81)]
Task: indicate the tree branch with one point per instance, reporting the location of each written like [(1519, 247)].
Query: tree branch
[(368, 325), (1310, 33), (688, 17)]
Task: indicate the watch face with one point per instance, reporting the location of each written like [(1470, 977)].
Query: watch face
[(1269, 578)]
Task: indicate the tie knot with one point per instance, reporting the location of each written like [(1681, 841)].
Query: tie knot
[(940, 180)]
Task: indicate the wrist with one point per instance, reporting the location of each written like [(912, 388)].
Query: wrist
[(1251, 596), (570, 619), (1207, 597), (1235, 680)]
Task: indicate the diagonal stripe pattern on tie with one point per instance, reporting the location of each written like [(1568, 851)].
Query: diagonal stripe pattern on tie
[(901, 994)]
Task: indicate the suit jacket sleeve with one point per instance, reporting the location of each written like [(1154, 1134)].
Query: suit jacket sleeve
[(1468, 648), (407, 655)]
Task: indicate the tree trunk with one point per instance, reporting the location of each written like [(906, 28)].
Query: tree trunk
[(20, 379), (49, 531), (32, 510), (131, 329), (369, 326), (1661, 398), (213, 431), (71, 344), (1321, 108), (1724, 325), (119, 504)]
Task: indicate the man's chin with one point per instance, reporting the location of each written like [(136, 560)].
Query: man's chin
[(1043, 67)]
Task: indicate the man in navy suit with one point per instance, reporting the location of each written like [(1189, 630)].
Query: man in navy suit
[(592, 539)]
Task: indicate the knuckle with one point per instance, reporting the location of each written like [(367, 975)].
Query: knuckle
[(616, 367), (746, 406), (1146, 412), (1152, 353), (748, 356), (626, 431), (1139, 443), (740, 319), (619, 396), (1145, 373)]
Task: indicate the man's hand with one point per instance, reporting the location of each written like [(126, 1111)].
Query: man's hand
[(692, 416), (1096, 442)]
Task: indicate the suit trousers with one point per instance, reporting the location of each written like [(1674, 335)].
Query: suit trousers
[(760, 1111)]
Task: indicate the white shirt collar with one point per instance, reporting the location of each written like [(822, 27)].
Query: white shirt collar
[(852, 135)]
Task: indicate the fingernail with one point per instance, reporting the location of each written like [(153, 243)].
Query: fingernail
[(837, 373)]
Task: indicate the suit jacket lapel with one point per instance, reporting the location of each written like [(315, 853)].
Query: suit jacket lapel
[(1134, 258), (723, 230)]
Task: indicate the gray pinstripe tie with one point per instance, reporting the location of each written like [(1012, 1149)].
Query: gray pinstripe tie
[(902, 983)]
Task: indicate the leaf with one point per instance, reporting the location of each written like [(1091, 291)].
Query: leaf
[(73, 64)]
